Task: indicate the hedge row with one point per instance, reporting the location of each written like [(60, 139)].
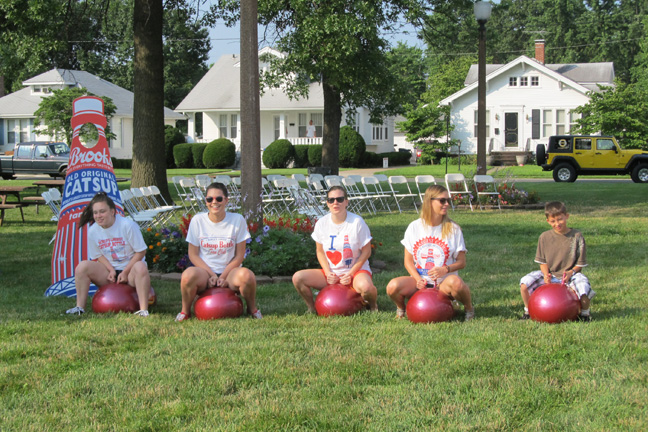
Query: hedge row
[(220, 153)]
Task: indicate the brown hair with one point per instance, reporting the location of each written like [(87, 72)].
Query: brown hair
[(555, 208), (447, 225), (87, 216), (220, 186), (340, 188)]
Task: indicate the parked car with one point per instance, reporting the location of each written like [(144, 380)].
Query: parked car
[(36, 157), (569, 156)]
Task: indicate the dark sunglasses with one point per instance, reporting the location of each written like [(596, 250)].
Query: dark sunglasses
[(442, 201), (338, 199), (218, 199)]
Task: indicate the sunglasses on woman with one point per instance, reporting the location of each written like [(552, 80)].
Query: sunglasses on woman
[(211, 199), (442, 201), (338, 199)]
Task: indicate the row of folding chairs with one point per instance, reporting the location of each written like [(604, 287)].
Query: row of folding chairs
[(191, 191), (484, 187), (147, 206)]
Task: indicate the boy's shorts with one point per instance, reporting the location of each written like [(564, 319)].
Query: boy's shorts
[(578, 283)]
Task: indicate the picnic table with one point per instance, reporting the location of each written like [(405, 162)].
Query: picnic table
[(12, 191)]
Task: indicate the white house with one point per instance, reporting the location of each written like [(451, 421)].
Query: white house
[(527, 101), (17, 109), (216, 98)]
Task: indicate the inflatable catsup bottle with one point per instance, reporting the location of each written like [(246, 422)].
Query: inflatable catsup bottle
[(90, 171)]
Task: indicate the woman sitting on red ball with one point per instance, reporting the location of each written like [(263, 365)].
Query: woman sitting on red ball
[(216, 249), (347, 241), (116, 250), (434, 251)]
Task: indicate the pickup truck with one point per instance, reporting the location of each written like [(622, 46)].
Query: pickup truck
[(569, 156), (36, 157)]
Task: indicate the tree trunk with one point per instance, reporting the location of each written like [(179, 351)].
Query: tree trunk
[(250, 115), (331, 134), (149, 160)]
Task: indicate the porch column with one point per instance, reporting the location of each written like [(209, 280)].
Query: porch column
[(282, 126), (191, 126)]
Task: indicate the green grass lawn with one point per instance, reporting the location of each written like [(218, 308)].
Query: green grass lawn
[(294, 372)]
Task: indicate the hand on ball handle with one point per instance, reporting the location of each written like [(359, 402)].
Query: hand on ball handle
[(421, 284), (332, 279)]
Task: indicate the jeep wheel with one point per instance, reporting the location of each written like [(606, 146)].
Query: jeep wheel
[(640, 173), (564, 173), (541, 154)]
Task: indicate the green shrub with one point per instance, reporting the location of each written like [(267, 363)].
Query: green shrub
[(396, 158), (182, 155), (197, 150), (220, 153), (278, 154), (172, 137), (352, 147), (122, 163), (370, 160), (301, 156), (315, 155)]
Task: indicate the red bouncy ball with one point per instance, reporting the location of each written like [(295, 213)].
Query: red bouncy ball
[(115, 297), (152, 297), (338, 299), (554, 303), (217, 303), (429, 305)]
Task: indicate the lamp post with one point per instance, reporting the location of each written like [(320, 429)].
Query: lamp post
[(482, 14)]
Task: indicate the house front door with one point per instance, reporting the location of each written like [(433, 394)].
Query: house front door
[(511, 129)]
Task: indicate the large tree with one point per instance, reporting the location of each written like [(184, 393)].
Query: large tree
[(339, 43), (149, 160)]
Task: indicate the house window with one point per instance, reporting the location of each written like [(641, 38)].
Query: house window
[(317, 119), (11, 131), (513, 81), (377, 134), (524, 81), (561, 127), (535, 81), (547, 124), (24, 130), (487, 123), (233, 125), (573, 116), (223, 125), (277, 127), (356, 122)]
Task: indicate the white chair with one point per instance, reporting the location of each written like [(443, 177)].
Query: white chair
[(143, 219), (193, 199), (488, 188), (358, 201), (375, 190), (401, 190), (456, 185), (422, 183)]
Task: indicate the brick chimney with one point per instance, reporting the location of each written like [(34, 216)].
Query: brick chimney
[(540, 51)]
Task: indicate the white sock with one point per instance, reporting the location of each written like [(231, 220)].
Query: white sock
[(526, 310), (585, 312)]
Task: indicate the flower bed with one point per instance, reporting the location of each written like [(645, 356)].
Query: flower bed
[(281, 247)]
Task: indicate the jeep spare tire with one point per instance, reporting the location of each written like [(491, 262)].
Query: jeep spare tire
[(564, 172), (541, 154)]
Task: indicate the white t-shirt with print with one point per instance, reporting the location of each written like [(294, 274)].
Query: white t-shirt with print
[(117, 243), (429, 250), (217, 240), (342, 243)]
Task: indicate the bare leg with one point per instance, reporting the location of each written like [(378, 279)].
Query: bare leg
[(400, 288), (364, 286), (306, 280), (139, 278), (243, 281), (525, 295), (455, 286), (88, 272), (194, 279)]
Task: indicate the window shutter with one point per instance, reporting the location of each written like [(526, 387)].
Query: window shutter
[(535, 124)]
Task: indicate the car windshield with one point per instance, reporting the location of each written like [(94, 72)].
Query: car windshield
[(59, 148)]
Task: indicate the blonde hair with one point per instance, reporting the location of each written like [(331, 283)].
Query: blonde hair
[(447, 224)]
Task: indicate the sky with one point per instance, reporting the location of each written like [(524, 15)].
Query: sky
[(225, 40)]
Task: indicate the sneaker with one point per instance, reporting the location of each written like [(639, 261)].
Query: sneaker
[(469, 315), (401, 313), (584, 318), (257, 314), (76, 310), (142, 313), (182, 317), (526, 316)]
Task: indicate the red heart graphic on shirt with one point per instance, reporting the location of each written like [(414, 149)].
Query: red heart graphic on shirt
[(334, 256)]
